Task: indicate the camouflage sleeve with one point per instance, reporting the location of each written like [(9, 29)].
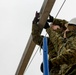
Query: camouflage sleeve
[(68, 56), (37, 38), (54, 36), (60, 22)]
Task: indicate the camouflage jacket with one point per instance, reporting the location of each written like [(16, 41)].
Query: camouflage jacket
[(37, 38), (66, 50)]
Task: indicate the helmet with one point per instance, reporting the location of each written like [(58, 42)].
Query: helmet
[(72, 21)]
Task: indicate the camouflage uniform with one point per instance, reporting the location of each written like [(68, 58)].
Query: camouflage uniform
[(37, 38), (66, 51), (52, 49)]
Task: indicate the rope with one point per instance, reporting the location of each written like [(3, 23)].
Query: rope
[(45, 35)]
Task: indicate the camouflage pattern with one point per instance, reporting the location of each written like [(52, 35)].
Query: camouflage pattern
[(37, 38), (36, 34), (66, 51), (60, 53), (59, 22)]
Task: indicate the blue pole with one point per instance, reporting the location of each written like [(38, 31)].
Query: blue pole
[(45, 57)]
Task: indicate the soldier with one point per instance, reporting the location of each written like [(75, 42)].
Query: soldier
[(66, 48), (37, 38), (65, 43)]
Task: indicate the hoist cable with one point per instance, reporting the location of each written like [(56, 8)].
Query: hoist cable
[(45, 35), (60, 8)]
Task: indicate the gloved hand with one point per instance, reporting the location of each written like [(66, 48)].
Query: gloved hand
[(51, 18), (46, 25), (50, 66), (36, 19), (48, 20), (37, 15)]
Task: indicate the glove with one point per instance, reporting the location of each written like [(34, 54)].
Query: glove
[(36, 19), (46, 25), (48, 20), (37, 15), (50, 66), (51, 18)]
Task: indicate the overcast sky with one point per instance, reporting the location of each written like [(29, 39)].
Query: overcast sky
[(15, 28)]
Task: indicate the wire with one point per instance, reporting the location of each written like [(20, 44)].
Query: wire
[(60, 8)]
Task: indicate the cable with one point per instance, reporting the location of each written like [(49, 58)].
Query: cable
[(60, 8)]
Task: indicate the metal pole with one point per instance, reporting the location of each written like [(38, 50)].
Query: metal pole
[(45, 57), (45, 11)]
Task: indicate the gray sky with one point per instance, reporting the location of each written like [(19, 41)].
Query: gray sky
[(15, 27)]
